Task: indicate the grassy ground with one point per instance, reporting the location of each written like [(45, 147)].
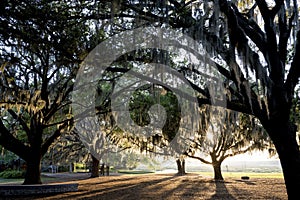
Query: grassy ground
[(20, 181), (53, 177), (240, 174), (134, 172), (50, 178), (12, 181), (193, 186)]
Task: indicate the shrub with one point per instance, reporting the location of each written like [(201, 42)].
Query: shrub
[(8, 173)]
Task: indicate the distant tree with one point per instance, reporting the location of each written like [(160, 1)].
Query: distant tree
[(95, 140), (140, 104), (226, 134), (67, 149), (154, 95)]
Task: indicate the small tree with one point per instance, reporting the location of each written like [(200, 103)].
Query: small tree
[(226, 134)]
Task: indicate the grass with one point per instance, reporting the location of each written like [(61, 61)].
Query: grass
[(239, 174), (137, 172), (11, 181), (134, 172), (21, 180)]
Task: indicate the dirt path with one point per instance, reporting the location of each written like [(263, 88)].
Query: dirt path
[(170, 187)]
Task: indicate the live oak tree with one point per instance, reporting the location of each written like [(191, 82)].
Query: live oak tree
[(226, 134), (142, 100), (99, 136), (41, 46), (150, 103), (147, 103)]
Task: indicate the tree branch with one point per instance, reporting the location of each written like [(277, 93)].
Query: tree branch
[(22, 122), (53, 137), (9, 142), (294, 72), (276, 8), (273, 58), (198, 158), (252, 30)]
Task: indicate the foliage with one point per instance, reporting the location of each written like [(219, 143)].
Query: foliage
[(6, 155), (140, 104), (9, 173), (67, 149), (130, 159), (225, 133), (232, 132)]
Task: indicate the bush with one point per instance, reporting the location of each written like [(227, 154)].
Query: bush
[(63, 168), (12, 174)]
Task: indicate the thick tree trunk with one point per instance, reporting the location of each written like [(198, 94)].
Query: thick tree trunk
[(216, 165), (33, 171), (183, 167), (180, 167), (217, 171), (283, 136), (95, 167)]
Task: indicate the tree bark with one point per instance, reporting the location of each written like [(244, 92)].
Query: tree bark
[(180, 167), (217, 171), (183, 166), (33, 170), (283, 136), (95, 167)]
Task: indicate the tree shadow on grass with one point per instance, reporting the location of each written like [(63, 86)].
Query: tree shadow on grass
[(165, 187), (138, 189), (222, 191), (246, 182), (106, 181), (196, 188), (123, 189)]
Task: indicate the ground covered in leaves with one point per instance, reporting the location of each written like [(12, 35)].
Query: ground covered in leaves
[(170, 187)]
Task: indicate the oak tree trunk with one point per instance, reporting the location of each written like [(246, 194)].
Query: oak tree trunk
[(183, 167), (283, 136), (34, 156), (180, 167), (217, 171), (33, 170), (95, 167)]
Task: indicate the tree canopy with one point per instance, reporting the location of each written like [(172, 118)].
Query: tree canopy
[(220, 138), (40, 54), (253, 48)]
